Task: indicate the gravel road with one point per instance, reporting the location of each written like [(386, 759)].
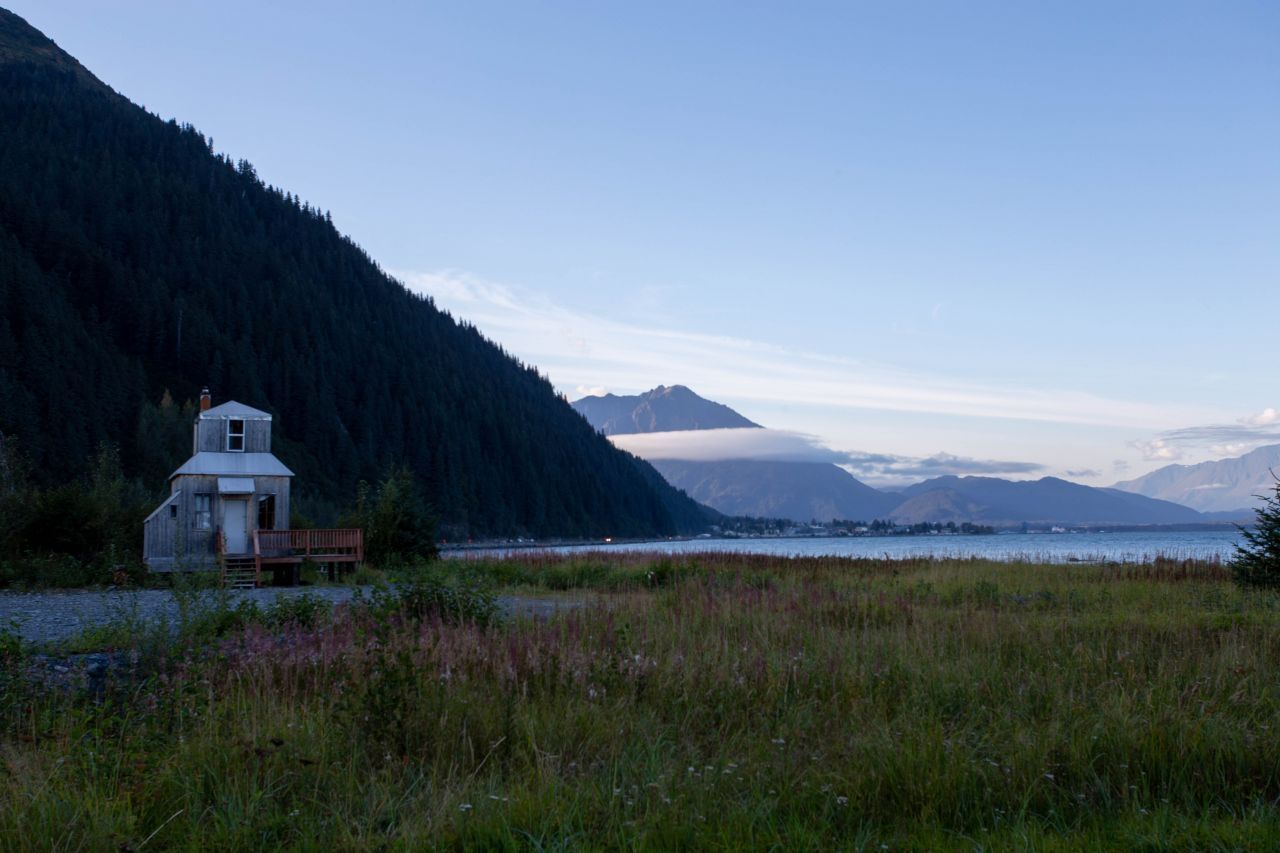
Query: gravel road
[(46, 617)]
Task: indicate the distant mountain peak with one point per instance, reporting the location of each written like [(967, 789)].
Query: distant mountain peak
[(667, 408)]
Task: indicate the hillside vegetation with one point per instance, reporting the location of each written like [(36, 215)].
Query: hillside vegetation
[(135, 260), (712, 701)]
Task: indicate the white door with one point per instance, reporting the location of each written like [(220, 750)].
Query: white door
[(235, 512)]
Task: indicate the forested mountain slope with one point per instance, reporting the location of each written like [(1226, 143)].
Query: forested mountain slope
[(135, 260)]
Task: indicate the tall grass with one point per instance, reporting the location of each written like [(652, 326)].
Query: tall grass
[(718, 701)]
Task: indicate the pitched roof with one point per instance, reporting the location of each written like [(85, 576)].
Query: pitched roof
[(164, 503), (232, 409), (208, 463)]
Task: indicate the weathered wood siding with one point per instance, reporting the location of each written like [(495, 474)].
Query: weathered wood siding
[(278, 486), (158, 533), (211, 434), (257, 436), (195, 546), (175, 543)]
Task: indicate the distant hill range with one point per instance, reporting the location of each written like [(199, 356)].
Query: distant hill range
[(664, 409), (803, 491), (800, 491), (1223, 488), (135, 259), (990, 500)]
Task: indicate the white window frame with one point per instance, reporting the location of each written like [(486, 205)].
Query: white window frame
[(202, 511), (232, 434)]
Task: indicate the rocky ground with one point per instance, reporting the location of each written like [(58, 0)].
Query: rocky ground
[(56, 615)]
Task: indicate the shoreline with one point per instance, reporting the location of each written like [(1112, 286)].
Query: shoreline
[(613, 542)]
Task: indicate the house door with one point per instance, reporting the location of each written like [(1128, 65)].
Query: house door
[(235, 514)]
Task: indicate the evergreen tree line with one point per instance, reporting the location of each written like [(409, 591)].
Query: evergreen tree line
[(135, 259)]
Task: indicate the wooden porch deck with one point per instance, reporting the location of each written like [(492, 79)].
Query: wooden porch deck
[(291, 547)]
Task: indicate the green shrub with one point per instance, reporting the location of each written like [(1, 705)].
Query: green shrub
[(215, 616), (304, 611), (10, 647), (398, 526), (666, 572), (54, 571), (309, 572), (79, 533), (14, 686), (428, 593), (366, 575)]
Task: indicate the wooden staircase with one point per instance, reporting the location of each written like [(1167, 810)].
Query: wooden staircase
[(239, 571)]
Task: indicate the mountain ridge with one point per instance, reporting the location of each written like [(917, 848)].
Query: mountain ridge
[(799, 491), (1229, 485), (1048, 500)]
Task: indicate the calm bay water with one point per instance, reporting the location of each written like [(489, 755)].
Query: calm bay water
[(1040, 547)]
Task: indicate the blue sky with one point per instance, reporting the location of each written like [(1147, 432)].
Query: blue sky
[(1040, 233)]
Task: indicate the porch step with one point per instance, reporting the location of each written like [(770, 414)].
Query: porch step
[(239, 572)]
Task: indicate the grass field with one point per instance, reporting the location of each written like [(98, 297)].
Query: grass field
[(711, 701)]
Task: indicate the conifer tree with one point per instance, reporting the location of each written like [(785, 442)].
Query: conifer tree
[(1257, 560)]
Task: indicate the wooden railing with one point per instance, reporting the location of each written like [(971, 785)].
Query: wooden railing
[(294, 546)]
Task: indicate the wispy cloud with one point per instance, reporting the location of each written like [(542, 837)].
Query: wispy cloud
[(1219, 439), (1220, 434), (579, 349), (714, 445), (1158, 450), (905, 469), (1267, 417)]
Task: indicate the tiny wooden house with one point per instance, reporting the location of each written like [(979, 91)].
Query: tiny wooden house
[(231, 487)]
